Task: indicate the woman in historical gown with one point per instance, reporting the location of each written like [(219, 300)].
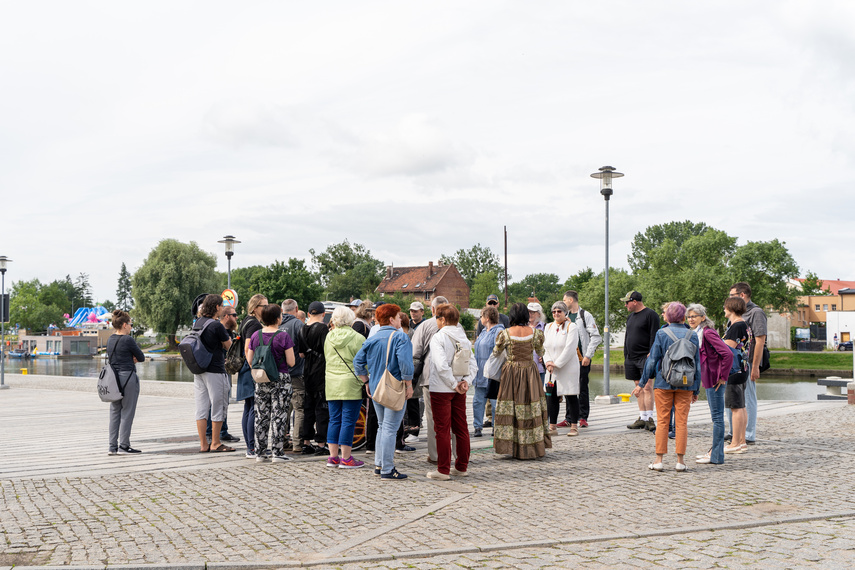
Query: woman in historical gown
[(521, 424)]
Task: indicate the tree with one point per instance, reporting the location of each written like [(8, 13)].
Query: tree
[(812, 285), (164, 287), (340, 258), (124, 292), (82, 291), (483, 286), (545, 286), (654, 237), (767, 266), (473, 262), (108, 306), (277, 282), (360, 281), (593, 292), (27, 309), (575, 282)]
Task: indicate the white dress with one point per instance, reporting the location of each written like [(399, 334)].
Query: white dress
[(559, 345)]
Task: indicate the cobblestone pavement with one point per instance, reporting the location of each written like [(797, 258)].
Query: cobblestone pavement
[(591, 502)]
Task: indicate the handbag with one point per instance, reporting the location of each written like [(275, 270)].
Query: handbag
[(390, 392), (109, 389), (494, 364)]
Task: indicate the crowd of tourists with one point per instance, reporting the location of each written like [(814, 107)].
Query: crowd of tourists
[(306, 379)]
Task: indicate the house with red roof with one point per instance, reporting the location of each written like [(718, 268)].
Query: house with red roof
[(425, 282)]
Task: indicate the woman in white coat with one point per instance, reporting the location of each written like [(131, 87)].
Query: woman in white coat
[(561, 345)]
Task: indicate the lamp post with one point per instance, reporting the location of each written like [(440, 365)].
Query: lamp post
[(605, 175), (230, 242), (3, 309)]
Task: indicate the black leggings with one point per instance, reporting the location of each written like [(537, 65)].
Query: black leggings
[(553, 403)]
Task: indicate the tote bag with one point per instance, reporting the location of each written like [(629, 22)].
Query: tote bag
[(109, 389), (390, 392)]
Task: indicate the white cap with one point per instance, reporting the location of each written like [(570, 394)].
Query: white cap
[(416, 306)]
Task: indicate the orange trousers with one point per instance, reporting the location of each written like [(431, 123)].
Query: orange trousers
[(682, 401)]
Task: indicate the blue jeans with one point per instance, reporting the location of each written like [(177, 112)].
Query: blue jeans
[(715, 399), (343, 416), (751, 409), (388, 422), (248, 423), (479, 403)]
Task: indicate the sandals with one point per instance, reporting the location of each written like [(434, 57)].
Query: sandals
[(573, 432), (656, 467), (222, 448), (681, 467)]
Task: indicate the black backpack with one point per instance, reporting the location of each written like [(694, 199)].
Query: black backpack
[(196, 355)]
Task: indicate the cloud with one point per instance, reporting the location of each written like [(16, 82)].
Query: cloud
[(244, 123)]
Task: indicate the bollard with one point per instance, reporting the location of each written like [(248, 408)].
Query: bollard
[(24, 371), (624, 397), (851, 395)]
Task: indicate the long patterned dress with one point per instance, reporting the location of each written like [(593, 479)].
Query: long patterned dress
[(521, 426)]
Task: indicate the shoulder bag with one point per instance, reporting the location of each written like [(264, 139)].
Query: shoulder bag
[(494, 364), (390, 392), (109, 389)]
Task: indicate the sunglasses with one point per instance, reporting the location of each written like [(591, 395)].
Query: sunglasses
[(232, 315)]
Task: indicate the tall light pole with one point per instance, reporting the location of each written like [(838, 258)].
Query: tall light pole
[(605, 175), (3, 310), (230, 242)]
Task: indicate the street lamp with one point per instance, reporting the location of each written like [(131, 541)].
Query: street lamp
[(230, 242), (3, 310), (605, 175)]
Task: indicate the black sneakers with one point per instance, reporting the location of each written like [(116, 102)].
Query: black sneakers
[(128, 450)]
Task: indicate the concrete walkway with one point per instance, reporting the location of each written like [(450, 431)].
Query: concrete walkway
[(590, 502)]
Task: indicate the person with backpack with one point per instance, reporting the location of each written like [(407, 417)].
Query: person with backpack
[(589, 340), (212, 384), (452, 367), (271, 352), (245, 384), (738, 337), (675, 363)]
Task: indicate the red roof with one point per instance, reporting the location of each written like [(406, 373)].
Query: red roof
[(414, 279), (834, 284)]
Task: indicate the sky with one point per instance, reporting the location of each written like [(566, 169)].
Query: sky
[(418, 129)]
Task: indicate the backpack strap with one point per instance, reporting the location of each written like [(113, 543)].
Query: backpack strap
[(670, 333)]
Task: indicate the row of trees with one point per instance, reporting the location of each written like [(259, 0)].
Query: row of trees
[(677, 261)]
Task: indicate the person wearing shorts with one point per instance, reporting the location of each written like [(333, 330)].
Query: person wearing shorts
[(642, 325)]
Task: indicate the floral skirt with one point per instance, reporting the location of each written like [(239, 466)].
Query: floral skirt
[(521, 425)]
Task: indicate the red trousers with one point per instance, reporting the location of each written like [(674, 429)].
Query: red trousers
[(449, 415)]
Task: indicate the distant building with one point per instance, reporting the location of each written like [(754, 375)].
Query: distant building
[(836, 311), (425, 282)]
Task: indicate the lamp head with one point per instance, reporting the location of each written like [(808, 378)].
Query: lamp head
[(605, 175)]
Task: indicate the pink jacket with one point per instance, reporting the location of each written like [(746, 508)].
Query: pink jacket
[(716, 359)]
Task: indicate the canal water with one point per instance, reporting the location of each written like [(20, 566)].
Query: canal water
[(769, 387)]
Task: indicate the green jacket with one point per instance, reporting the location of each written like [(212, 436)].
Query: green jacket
[(341, 384)]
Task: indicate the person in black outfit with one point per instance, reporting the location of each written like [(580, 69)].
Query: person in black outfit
[(315, 408), (123, 353), (642, 325)]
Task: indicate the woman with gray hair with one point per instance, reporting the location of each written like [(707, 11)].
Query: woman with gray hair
[(716, 359), (561, 355)]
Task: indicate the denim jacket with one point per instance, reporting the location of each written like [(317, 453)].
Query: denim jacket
[(657, 352), (371, 358), (483, 349)]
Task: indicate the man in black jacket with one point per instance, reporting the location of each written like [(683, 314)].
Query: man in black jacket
[(316, 414)]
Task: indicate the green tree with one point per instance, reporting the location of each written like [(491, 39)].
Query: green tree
[(812, 285), (473, 262), (593, 292), (83, 291), (360, 281), (124, 291), (340, 258), (767, 266), (164, 287), (27, 309), (654, 237), (575, 282), (545, 286), (278, 281), (483, 285), (108, 306)]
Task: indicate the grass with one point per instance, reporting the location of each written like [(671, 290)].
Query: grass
[(780, 360)]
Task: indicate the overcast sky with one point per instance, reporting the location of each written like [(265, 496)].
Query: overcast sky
[(418, 129)]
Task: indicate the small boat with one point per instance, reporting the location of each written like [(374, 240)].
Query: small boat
[(18, 354)]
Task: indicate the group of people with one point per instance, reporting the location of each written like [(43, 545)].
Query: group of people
[(519, 366), (727, 367)]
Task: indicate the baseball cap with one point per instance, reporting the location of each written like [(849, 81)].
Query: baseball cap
[(194, 310), (317, 308), (492, 298), (378, 303), (535, 307), (355, 303), (631, 296), (416, 306)]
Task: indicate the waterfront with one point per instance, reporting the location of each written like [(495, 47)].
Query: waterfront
[(173, 370)]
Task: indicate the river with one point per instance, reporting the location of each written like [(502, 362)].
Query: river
[(769, 387)]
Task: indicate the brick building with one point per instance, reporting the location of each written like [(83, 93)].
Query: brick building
[(425, 282)]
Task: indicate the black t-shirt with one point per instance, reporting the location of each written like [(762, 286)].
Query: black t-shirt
[(247, 328), (121, 350), (641, 330), (740, 333), (213, 338), (311, 343)]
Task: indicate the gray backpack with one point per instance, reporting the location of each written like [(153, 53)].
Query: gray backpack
[(678, 364)]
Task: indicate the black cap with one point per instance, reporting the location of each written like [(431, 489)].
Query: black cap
[(316, 308), (196, 303)]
